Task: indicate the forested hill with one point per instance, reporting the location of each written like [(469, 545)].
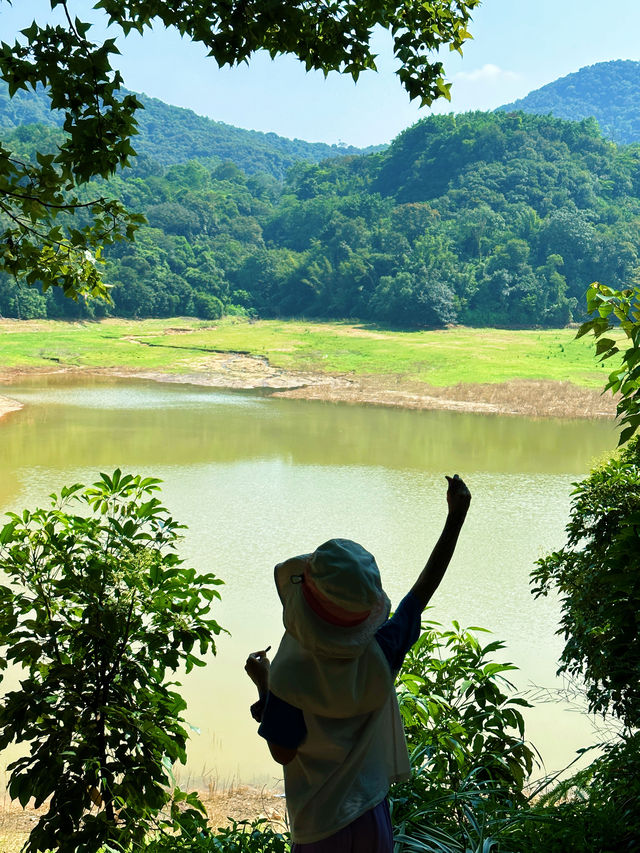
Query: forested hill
[(174, 135), (608, 91), (483, 219)]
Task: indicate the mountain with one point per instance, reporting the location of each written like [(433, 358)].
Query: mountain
[(485, 219), (172, 135), (607, 91)]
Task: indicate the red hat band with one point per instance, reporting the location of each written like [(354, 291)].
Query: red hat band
[(329, 610)]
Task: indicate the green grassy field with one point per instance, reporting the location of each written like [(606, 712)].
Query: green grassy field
[(178, 345)]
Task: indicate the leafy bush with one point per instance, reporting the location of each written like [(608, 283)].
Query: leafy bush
[(257, 836), (465, 732), (99, 612), (598, 577), (594, 811), (615, 308)]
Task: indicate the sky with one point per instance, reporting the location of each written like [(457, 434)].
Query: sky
[(518, 46)]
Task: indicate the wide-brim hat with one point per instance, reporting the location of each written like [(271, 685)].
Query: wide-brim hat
[(333, 601)]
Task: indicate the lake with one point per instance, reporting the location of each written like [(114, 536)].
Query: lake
[(258, 479)]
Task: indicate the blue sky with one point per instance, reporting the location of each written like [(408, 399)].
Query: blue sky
[(518, 45)]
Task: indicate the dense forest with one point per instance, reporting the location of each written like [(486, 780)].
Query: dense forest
[(607, 91), (482, 219)]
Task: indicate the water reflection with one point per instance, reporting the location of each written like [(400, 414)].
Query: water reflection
[(117, 422)]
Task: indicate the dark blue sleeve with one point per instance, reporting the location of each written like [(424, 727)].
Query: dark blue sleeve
[(282, 723), (399, 633)]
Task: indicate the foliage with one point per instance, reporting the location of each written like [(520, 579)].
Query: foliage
[(168, 135), (622, 306), (597, 575), (608, 91), (99, 120), (485, 220), (466, 737), (99, 612), (239, 836), (596, 809), (487, 822), (38, 242), (250, 837)]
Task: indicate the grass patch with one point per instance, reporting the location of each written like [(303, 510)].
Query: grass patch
[(177, 345)]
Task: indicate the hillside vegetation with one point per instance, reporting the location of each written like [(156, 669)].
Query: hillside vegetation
[(169, 134), (607, 91), (481, 219)]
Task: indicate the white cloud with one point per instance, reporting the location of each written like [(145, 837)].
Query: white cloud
[(487, 74), (483, 88)]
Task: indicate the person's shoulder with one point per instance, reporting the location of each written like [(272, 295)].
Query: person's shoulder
[(409, 610), (396, 636)]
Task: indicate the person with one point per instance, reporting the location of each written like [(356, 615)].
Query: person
[(326, 704)]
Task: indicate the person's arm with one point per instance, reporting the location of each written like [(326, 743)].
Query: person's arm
[(257, 668), (458, 499)]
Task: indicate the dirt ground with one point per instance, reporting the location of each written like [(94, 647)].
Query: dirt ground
[(237, 803), (531, 398)]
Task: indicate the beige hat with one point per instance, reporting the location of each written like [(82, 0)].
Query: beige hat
[(328, 661), (333, 601)]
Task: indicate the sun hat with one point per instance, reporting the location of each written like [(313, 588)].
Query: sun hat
[(328, 662), (333, 601)]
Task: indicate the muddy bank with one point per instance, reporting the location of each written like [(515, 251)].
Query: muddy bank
[(530, 398), (7, 405)]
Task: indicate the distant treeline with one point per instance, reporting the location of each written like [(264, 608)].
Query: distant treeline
[(169, 135), (482, 219)]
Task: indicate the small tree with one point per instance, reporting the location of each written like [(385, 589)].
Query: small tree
[(598, 577), (99, 612)]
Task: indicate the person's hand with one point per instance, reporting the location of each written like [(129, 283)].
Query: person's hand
[(458, 496), (257, 668)]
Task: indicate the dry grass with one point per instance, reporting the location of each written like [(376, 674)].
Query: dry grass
[(527, 397), (235, 803)]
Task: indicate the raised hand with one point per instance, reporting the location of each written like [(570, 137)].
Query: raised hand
[(458, 496)]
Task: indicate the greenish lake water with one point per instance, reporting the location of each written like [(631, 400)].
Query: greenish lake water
[(258, 479)]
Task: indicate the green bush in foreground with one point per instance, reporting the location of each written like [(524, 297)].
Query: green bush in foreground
[(242, 836), (99, 612), (466, 736), (597, 575)]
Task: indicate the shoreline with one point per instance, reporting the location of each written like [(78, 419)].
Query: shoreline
[(534, 398), (7, 406)]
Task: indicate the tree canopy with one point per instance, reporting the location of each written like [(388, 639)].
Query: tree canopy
[(606, 91), (38, 197), (169, 134), (481, 219)]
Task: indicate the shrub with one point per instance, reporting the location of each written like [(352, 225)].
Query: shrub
[(99, 611), (598, 577), (465, 732)]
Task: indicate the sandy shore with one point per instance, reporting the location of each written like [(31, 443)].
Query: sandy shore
[(7, 405), (531, 398)]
